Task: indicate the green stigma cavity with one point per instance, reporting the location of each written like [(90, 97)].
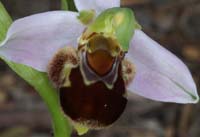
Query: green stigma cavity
[(118, 23)]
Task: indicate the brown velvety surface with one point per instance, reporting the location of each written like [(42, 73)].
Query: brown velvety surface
[(95, 104)]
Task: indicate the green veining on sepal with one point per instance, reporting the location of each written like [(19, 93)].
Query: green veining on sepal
[(86, 16), (119, 23), (195, 98), (39, 81)]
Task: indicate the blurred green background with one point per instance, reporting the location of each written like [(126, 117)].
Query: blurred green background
[(174, 24)]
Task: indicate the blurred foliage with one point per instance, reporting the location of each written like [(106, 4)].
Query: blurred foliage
[(68, 5)]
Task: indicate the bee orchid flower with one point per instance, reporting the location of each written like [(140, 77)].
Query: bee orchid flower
[(95, 57)]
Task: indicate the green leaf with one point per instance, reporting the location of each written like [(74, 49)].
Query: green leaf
[(68, 5), (40, 82), (49, 95), (64, 5), (5, 22)]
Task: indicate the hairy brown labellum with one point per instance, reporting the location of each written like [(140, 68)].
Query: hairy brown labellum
[(65, 58), (95, 105)]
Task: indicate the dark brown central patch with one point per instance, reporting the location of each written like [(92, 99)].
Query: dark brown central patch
[(94, 105)]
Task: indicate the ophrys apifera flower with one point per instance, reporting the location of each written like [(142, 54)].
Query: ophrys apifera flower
[(95, 60)]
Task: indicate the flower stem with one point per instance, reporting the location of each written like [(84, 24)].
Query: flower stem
[(68, 5), (39, 81)]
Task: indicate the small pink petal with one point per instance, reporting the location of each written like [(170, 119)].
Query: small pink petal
[(97, 5), (33, 40), (160, 75)]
